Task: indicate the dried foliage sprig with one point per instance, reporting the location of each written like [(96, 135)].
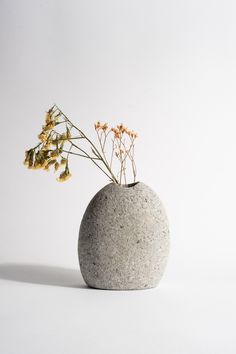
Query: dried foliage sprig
[(60, 139)]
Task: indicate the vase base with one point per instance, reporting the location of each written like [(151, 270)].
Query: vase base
[(125, 288)]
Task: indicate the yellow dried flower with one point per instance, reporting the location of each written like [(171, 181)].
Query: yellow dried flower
[(42, 137), (27, 158), (62, 137), (37, 165), (54, 141), (64, 176), (63, 161), (48, 117), (56, 166), (54, 154), (49, 126), (47, 145), (47, 163)]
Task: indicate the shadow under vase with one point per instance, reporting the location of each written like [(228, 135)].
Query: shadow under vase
[(42, 274)]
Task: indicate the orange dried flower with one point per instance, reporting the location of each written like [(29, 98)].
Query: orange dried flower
[(104, 127), (97, 125)]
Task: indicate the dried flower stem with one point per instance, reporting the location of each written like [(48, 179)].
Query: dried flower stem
[(112, 177), (119, 148)]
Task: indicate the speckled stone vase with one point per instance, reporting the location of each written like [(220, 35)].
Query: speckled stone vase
[(123, 238)]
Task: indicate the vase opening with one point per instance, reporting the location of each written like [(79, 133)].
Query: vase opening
[(129, 185)]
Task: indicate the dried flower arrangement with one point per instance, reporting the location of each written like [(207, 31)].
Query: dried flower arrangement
[(60, 139)]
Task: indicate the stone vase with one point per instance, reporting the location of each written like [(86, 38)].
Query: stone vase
[(123, 238)]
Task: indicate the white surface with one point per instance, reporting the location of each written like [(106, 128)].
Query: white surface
[(193, 317), (166, 69)]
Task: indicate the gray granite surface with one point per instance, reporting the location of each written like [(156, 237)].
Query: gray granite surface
[(124, 238)]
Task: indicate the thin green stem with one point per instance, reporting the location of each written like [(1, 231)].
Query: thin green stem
[(112, 177), (112, 153), (92, 159), (74, 153), (36, 146)]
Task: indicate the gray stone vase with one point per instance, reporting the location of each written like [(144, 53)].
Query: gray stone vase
[(123, 238)]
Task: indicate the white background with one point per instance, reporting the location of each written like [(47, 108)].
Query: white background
[(166, 69)]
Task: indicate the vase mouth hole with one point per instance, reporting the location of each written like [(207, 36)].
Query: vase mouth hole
[(129, 185)]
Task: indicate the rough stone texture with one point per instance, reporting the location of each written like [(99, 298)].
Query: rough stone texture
[(123, 238)]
